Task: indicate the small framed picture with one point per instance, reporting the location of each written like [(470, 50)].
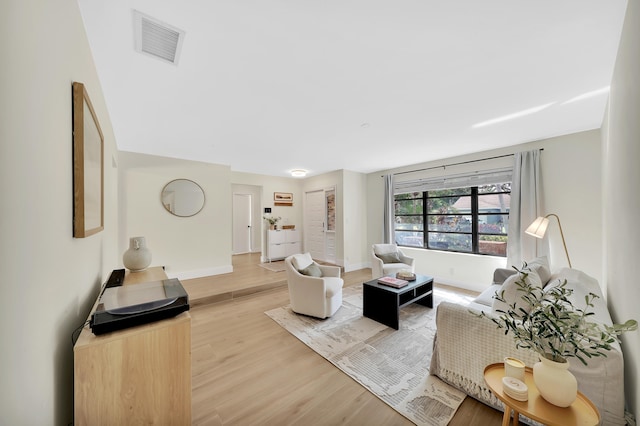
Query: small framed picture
[(283, 198)]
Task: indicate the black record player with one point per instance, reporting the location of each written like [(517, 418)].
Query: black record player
[(135, 304)]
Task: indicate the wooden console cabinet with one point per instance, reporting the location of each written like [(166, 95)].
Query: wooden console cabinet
[(139, 375)]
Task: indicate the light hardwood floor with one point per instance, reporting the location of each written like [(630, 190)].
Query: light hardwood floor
[(247, 370)]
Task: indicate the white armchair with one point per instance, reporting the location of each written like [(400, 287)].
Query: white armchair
[(388, 259), (316, 296)]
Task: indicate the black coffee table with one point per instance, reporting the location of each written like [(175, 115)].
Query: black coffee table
[(382, 303)]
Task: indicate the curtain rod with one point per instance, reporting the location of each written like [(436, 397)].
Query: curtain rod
[(456, 164)]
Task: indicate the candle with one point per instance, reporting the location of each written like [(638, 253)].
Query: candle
[(513, 367)]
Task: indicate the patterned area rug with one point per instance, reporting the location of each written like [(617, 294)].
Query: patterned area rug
[(274, 266), (393, 365)]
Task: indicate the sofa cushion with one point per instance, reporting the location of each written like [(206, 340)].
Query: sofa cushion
[(541, 266), (390, 257), (301, 261), (486, 297), (510, 292), (583, 284), (312, 270), (384, 248)]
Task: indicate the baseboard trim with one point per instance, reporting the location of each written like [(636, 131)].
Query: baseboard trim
[(356, 266), (454, 283)]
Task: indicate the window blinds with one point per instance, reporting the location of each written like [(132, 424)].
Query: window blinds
[(476, 178)]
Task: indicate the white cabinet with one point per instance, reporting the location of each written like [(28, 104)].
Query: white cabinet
[(282, 243)]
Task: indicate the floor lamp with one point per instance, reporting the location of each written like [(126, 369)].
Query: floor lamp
[(539, 227)]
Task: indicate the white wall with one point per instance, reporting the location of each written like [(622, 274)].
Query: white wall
[(621, 200), (187, 247), (570, 178), (356, 255), (571, 171), (49, 279)]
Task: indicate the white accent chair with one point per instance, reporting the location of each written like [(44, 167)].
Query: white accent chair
[(316, 296), (388, 259)]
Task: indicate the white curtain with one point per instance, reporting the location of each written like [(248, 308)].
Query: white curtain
[(526, 206), (389, 211)]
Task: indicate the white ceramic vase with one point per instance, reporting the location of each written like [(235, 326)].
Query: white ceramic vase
[(555, 382), (137, 257)]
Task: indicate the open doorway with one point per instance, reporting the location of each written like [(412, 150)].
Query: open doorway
[(246, 223), (242, 223)]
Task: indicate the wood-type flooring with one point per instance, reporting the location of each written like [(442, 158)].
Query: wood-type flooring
[(247, 370)]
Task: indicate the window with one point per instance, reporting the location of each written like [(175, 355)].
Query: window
[(470, 220), (330, 196)]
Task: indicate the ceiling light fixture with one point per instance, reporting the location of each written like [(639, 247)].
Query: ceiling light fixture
[(298, 173), (514, 115)]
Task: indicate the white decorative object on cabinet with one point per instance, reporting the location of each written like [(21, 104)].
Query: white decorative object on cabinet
[(282, 243)]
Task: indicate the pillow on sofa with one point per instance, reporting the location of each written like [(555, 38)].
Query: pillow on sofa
[(541, 266), (509, 291), (312, 270), (301, 261), (389, 258)]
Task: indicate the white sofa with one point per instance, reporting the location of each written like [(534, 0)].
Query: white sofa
[(464, 344)]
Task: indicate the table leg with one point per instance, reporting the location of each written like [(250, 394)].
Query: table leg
[(516, 418), (507, 416)]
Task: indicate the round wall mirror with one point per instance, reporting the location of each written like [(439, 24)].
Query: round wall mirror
[(182, 197)]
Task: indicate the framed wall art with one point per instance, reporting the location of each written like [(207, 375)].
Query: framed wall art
[(88, 166), (283, 199)]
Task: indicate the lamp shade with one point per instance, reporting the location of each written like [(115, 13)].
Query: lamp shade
[(538, 227)]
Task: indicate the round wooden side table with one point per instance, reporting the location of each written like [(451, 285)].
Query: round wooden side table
[(582, 412)]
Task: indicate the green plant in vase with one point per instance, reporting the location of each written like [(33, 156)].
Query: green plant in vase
[(273, 220), (547, 322)]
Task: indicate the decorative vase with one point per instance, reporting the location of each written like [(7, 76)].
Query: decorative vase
[(272, 227), (137, 257), (555, 382)]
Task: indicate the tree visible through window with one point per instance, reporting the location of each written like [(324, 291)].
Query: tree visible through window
[(470, 220)]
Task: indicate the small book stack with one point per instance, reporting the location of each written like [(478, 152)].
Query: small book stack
[(392, 282)]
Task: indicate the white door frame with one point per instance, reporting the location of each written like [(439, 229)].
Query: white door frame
[(242, 223), (323, 252)]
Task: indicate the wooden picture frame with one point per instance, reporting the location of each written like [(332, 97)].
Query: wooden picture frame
[(283, 199), (88, 166)]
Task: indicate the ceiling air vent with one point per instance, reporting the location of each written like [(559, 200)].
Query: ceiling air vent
[(156, 38)]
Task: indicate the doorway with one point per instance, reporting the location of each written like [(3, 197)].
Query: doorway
[(246, 225), (320, 224), (242, 224)]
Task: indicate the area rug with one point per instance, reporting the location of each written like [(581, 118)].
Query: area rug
[(392, 364), (274, 266)]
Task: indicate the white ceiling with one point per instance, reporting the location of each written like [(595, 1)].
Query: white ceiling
[(267, 86)]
